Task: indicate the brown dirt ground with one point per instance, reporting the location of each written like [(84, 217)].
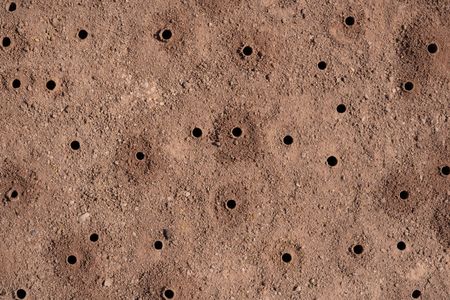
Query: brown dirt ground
[(124, 92)]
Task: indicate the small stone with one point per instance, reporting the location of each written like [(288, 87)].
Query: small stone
[(108, 282), (84, 217)]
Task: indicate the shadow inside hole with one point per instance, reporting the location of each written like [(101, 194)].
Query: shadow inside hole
[(404, 195), (51, 85), (165, 35), (445, 170), (158, 245), (168, 294), (140, 155), (288, 140), (197, 132), (16, 83), (350, 21), (94, 237), (286, 257), (6, 42), (322, 65), (236, 132), (21, 294), (332, 161), (432, 48), (71, 259), (341, 108), (416, 294), (75, 145), (231, 204), (358, 249), (408, 86), (247, 51), (83, 34), (401, 246), (12, 7)]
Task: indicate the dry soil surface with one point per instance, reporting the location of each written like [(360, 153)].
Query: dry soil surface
[(201, 149)]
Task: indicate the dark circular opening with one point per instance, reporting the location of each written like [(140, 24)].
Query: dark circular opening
[(140, 155), (408, 86), (75, 145), (158, 245), (358, 249), (166, 34), (416, 294), (21, 293), (197, 132), (236, 132), (332, 161), (445, 170), (401, 246), (350, 21), (247, 50), (231, 204), (286, 257), (288, 140), (72, 259), (82, 34), (12, 7), (341, 108), (432, 48), (14, 194), (169, 294), (404, 195), (93, 237), (322, 65), (16, 83), (6, 42), (51, 85)]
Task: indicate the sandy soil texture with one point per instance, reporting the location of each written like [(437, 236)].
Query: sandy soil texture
[(225, 149)]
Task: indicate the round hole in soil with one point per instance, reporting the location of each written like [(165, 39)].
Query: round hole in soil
[(236, 132), (432, 48), (288, 140), (322, 65), (16, 83), (93, 237), (231, 204), (247, 51), (6, 42), (286, 257), (71, 259), (140, 155), (82, 34), (169, 294), (445, 170), (332, 161), (401, 246), (75, 145), (416, 294), (408, 86), (358, 249), (12, 7), (404, 195), (341, 108), (166, 34), (158, 245), (197, 132), (51, 85), (350, 21), (21, 293), (14, 194)]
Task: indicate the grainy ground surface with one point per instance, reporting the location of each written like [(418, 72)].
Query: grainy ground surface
[(331, 134)]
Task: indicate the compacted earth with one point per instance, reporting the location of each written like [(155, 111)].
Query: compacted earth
[(208, 149)]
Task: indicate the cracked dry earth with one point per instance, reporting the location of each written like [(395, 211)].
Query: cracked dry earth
[(201, 149)]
